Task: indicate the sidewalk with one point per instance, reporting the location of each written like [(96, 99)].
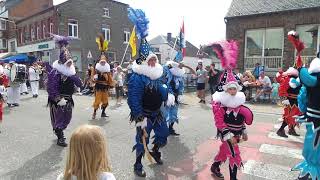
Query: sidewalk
[(192, 99)]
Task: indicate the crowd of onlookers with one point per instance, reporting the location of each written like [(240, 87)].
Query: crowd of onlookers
[(208, 79)]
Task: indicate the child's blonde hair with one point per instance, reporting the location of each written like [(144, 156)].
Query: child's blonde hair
[(87, 155)]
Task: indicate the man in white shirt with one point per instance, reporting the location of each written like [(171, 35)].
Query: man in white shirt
[(34, 76), (265, 83)]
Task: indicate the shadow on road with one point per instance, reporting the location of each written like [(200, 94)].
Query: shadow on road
[(38, 166)]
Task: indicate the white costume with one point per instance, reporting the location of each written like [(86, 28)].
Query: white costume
[(34, 77), (13, 89)]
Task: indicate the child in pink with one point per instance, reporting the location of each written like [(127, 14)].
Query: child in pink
[(230, 115)]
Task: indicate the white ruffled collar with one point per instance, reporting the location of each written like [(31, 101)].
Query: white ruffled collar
[(177, 71), (314, 66), (103, 69), (152, 72), (63, 69), (229, 101)]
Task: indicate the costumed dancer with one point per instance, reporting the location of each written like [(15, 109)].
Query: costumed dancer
[(60, 86), (34, 77), (101, 76), (13, 87), (174, 81), (288, 90), (308, 101), (146, 94), (230, 115), (3, 84)]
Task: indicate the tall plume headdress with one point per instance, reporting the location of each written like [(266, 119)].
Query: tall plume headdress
[(102, 45), (63, 42), (293, 37), (227, 52), (141, 22)]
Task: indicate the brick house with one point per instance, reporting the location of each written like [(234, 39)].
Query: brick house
[(80, 19), (261, 28)]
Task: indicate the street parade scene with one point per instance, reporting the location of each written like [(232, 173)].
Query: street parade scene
[(159, 90)]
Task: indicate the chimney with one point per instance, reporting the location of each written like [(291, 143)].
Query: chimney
[(169, 37)]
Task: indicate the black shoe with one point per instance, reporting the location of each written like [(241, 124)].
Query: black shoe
[(216, 171), (104, 115), (15, 104), (282, 133), (140, 173), (62, 142), (203, 101), (157, 157), (293, 132), (200, 101), (173, 132), (10, 105)]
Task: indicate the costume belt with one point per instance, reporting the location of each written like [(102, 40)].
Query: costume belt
[(293, 96), (315, 113)]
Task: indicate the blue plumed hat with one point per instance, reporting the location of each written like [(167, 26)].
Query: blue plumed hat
[(141, 22)]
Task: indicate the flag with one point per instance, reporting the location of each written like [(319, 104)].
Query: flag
[(182, 41), (133, 42)]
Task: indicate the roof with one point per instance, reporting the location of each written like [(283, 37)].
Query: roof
[(191, 50), (252, 7)]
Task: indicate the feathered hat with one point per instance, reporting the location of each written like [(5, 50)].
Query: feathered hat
[(102, 45), (141, 22), (293, 37), (63, 42), (227, 52)]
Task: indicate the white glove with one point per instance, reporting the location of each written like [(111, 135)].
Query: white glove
[(180, 98), (285, 102), (95, 77), (62, 102), (143, 123), (171, 99)]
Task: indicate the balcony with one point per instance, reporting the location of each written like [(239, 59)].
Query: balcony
[(271, 63)]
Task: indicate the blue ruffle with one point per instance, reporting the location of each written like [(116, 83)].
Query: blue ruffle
[(302, 99)]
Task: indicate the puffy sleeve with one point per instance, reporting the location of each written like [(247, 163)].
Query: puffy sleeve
[(306, 78), (48, 67), (247, 113), (76, 80), (135, 94), (53, 85), (218, 113), (163, 89)]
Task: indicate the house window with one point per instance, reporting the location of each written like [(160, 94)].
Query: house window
[(106, 12), (73, 28), (2, 25), (38, 33), (309, 35), (21, 37), (126, 36), (3, 44), (264, 46), (12, 46), (51, 28), (106, 33), (32, 34), (44, 31)]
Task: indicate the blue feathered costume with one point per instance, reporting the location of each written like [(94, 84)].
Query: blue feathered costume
[(309, 104), (174, 80), (146, 94)]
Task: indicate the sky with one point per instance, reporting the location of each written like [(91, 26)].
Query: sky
[(203, 19)]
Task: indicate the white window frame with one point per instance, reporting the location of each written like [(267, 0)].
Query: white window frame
[(73, 26), (106, 31), (43, 31), (1, 44), (106, 12), (51, 28), (38, 33), (5, 25), (9, 45), (127, 34)]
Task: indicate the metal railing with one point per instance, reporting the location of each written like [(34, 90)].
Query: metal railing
[(270, 62), (307, 59)]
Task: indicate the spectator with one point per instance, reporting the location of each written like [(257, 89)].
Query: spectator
[(88, 86), (239, 75), (265, 85), (257, 69), (274, 95), (118, 76), (201, 82), (87, 157), (214, 76)]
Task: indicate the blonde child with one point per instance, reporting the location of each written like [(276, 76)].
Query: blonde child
[(87, 158)]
